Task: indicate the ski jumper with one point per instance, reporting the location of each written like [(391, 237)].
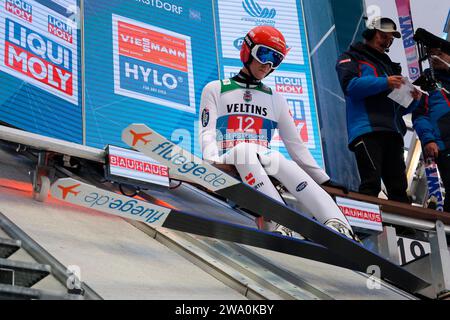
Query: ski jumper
[(237, 123)]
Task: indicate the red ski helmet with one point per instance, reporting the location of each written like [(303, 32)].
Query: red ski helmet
[(264, 37)]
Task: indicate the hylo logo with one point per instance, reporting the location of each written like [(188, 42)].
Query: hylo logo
[(135, 71)]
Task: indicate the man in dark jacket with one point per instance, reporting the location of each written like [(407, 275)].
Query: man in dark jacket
[(432, 120), (374, 122)]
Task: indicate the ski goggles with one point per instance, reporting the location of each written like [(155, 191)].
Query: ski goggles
[(264, 55)]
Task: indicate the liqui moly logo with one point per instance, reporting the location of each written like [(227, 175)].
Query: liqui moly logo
[(20, 9), (60, 29), (136, 165), (90, 197), (38, 58), (291, 85)]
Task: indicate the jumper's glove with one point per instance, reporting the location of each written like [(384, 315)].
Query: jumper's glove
[(333, 184)]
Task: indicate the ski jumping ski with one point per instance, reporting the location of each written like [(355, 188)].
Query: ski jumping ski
[(183, 163), (91, 197)]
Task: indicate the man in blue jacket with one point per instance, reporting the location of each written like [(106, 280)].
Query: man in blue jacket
[(374, 122), (432, 120)]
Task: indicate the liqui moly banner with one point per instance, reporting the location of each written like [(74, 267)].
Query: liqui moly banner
[(294, 87), (39, 46), (153, 64), (407, 30), (362, 215)]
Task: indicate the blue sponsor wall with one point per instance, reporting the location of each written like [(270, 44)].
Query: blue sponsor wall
[(39, 68)]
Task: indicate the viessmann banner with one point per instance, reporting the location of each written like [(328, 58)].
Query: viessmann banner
[(147, 62), (294, 77), (153, 64), (39, 67)]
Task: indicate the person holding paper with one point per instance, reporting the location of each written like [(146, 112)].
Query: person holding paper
[(374, 122), (432, 119)]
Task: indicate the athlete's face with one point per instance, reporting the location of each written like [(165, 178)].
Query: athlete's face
[(260, 71)]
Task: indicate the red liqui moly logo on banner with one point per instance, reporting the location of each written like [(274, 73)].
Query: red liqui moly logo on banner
[(361, 214), (38, 58), (153, 64), (20, 9), (60, 29)]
